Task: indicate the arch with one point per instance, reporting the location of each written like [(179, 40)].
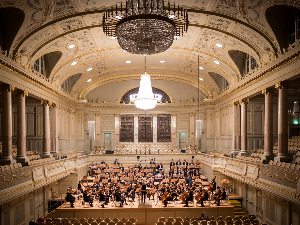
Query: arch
[(278, 17), (11, 20), (126, 96), (51, 60), (69, 83), (220, 80), (238, 57)]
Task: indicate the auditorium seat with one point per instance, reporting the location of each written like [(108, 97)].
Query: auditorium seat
[(203, 222), (212, 222), (107, 220)]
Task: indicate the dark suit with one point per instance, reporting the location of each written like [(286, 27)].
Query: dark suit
[(70, 198), (172, 164), (189, 198)]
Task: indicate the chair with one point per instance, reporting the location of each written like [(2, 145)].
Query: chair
[(169, 223), (102, 223), (161, 219), (107, 220), (50, 223), (179, 219), (128, 223), (220, 218), (244, 218), (41, 223), (229, 222), (56, 220), (186, 222), (203, 222), (98, 220), (194, 222), (90, 220), (160, 223), (111, 223), (212, 218), (247, 222), (73, 220), (238, 222), (124, 220), (64, 220), (221, 222), (120, 223), (132, 220), (116, 220), (67, 223), (82, 220), (255, 222), (213, 222), (171, 219), (48, 220), (94, 223), (85, 223), (177, 223), (252, 218)]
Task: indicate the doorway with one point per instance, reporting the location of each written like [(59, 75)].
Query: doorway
[(182, 140), (107, 141)]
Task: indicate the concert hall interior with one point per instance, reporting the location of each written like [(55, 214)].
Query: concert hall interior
[(151, 110)]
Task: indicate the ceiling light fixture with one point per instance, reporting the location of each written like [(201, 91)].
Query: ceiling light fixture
[(201, 79), (219, 45), (89, 69), (216, 62), (71, 46), (162, 61), (145, 27), (201, 68), (89, 80), (128, 61), (73, 63), (145, 99)]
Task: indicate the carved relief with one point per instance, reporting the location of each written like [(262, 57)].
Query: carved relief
[(63, 7), (164, 128), (127, 128), (219, 23), (145, 129), (71, 24)]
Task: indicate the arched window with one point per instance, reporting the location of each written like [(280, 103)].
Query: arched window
[(294, 26), (250, 63), (39, 65)]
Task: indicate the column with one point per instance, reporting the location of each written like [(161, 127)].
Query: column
[(236, 129), (98, 130), (220, 130), (268, 130), (117, 129), (154, 116), (136, 128), (192, 128), (70, 129), (173, 129), (6, 125), (244, 103), (53, 129), (46, 129), (283, 155), (21, 127)]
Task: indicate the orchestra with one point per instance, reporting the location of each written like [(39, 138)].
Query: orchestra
[(183, 182)]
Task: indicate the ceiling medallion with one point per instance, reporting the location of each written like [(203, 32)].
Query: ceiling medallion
[(145, 27)]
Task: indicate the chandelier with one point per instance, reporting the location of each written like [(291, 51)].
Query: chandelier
[(145, 26), (145, 99)]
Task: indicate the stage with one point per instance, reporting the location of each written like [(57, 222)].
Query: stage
[(142, 214)]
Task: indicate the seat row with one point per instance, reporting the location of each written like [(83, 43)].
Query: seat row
[(250, 159), (285, 165), (89, 221), (10, 166), (212, 221), (35, 162)]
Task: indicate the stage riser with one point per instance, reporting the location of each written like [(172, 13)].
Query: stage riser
[(143, 216)]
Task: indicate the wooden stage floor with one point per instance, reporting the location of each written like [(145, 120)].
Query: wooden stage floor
[(143, 214)]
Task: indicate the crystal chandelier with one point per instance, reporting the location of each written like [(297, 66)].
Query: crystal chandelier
[(145, 99), (145, 26)]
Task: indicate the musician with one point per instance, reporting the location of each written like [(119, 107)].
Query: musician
[(79, 187), (116, 162), (70, 198), (152, 162), (205, 198), (122, 168), (102, 162), (131, 192), (160, 167), (221, 196), (103, 197), (189, 198), (213, 182), (171, 173), (119, 197), (172, 164), (168, 196), (87, 198), (185, 163), (140, 167), (178, 163), (189, 181), (146, 167)]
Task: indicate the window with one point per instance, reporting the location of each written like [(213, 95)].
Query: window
[(39, 65), (294, 26), (250, 63)]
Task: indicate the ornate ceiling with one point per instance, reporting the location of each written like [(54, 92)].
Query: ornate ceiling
[(51, 26)]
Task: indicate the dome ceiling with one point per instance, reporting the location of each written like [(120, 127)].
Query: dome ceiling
[(54, 26)]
